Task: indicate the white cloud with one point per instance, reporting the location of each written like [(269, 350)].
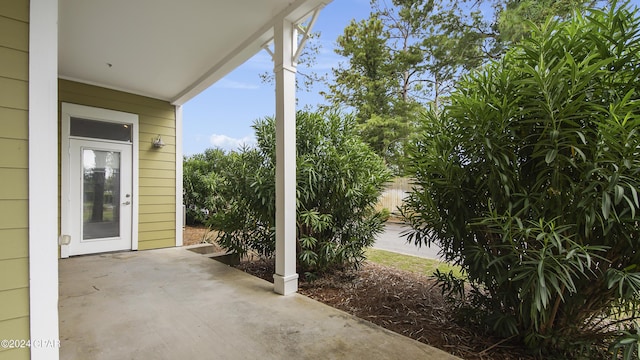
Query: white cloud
[(228, 143)]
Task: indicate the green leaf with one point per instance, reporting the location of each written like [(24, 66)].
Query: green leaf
[(618, 193), (606, 205), (634, 193), (551, 155)]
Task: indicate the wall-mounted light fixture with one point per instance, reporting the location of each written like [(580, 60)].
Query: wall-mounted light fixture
[(157, 142)]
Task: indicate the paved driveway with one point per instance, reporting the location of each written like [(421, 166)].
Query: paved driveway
[(392, 240)]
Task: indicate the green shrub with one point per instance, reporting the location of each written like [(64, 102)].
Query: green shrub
[(339, 180), (246, 220), (201, 181), (529, 180)]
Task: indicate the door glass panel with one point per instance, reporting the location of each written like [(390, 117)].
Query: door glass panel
[(101, 194), (100, 129)]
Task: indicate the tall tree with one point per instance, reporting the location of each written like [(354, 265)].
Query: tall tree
[(396, 63), (409, 54), (369, 85), (366, 83), (421, 47), (514, 15)]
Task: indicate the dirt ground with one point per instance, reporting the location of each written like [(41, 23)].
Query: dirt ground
[(192, 235), (400, 301)]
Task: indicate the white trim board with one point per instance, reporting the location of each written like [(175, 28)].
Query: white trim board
[(93, 113)]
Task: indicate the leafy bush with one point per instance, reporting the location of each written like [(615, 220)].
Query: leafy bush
[(246, 220), (201, 181), (339, 181), (529, 180)]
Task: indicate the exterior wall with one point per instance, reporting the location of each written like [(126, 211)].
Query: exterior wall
[(14, 175), (157, 173)]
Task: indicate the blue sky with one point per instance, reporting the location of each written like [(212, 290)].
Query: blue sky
[(223, 114)]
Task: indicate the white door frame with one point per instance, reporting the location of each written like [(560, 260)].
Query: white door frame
[(78, 244), (93, 113)]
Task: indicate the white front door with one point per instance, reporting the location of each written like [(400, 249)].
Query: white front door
[(100, 198)]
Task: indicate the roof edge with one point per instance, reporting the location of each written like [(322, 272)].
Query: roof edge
[(295, 12)]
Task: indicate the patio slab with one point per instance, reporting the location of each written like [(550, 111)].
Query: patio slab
[(176, 304)]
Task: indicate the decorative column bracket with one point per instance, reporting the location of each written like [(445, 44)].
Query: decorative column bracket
[(305, 30)]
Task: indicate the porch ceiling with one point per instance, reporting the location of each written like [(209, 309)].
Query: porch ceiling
[(166, 49)]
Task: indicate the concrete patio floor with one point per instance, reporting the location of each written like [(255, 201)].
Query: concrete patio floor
[(175, 304)]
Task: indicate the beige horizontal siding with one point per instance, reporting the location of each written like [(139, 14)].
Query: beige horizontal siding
[(157, 209), (14, 273), (13, 244), (159, 121), (147, 144), (14, 162), (14, 214), (14, 64), (156, 174), (161, 235), (15, 354), (155, 226), (15, 153), (158, 165), (14, 33), (19, 178), (14, 123), (14, 93), (157, 200), (16, 328), (152, 182), (158, 191), (157, 203), (13, 304), (158, 156), (157, 243), (18, 10), (151, 111), (151, 218), (168, 133)]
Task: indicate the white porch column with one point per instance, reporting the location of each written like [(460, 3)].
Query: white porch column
[(179, 173), (43, 164), (285, 43)]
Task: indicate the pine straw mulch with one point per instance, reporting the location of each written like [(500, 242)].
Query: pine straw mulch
[(403, 302)]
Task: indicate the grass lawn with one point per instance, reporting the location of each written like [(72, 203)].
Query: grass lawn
[(410, 263)]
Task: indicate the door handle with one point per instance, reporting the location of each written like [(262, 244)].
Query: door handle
[(126, 202)]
